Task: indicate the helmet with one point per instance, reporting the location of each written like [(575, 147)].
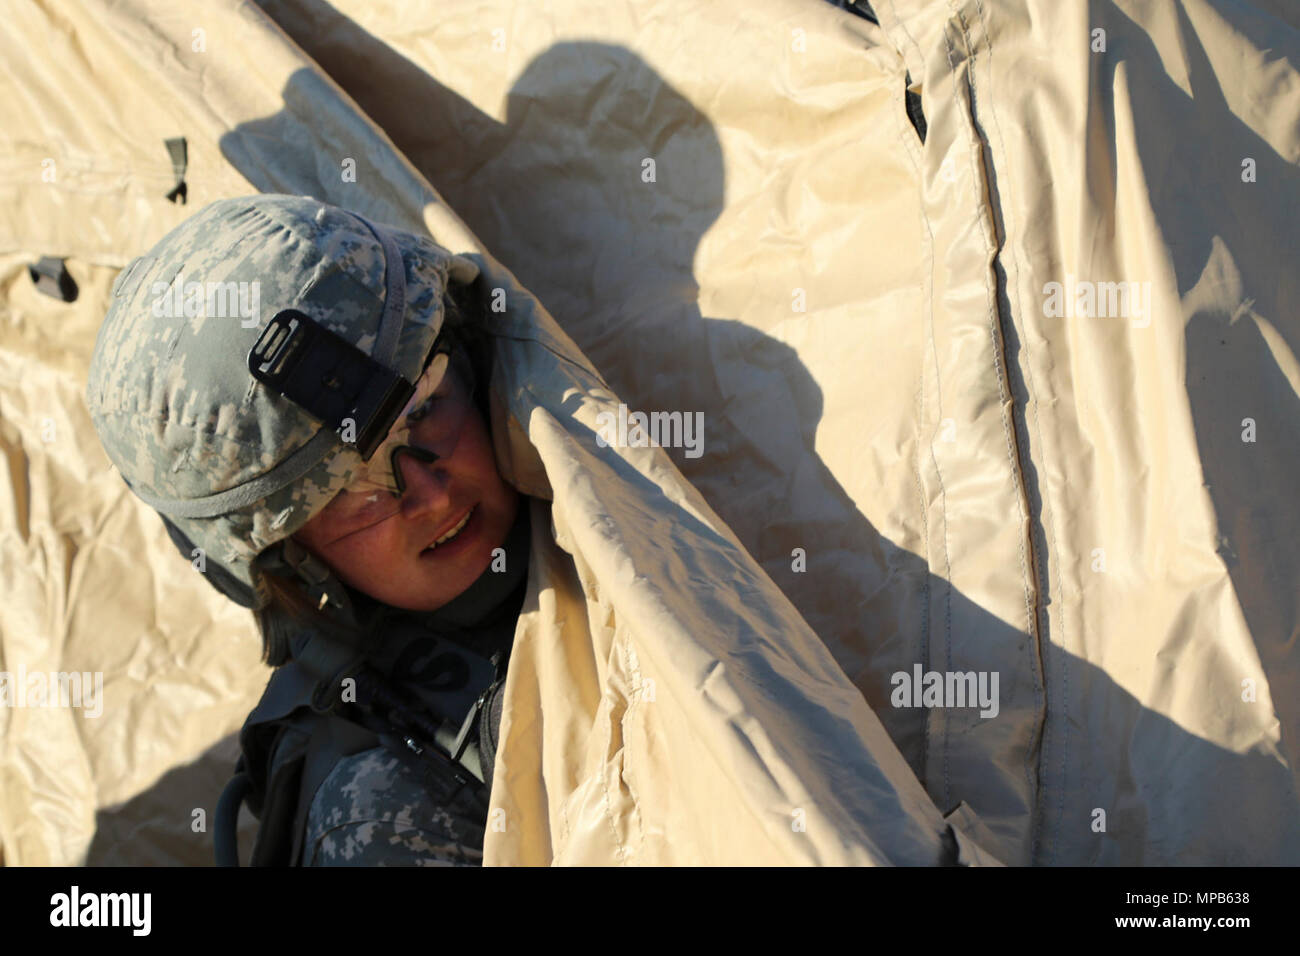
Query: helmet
[(252, 362)]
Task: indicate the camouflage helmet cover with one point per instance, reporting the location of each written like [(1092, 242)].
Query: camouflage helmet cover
[(234, 465)]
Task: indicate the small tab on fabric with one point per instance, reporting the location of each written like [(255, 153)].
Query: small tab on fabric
[(128, 279), (462, 269), (179, 153), (912, 103), (52, 279), (964, 827), (863, 9)]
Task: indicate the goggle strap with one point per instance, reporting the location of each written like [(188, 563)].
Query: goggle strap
[(329, 377)]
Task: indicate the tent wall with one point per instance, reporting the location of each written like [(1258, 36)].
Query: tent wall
[(928, 463)]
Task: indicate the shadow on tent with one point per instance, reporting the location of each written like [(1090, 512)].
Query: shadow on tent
[(1233, 371), (662, 324), (1238, 365)]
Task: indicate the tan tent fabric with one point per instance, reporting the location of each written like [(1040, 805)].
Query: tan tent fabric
[(971, 482)]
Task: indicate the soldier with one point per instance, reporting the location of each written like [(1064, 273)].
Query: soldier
[(331, 460)]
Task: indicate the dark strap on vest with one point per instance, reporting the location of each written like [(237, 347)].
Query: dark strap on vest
[(427, 698), (226, 825), (292, 740)]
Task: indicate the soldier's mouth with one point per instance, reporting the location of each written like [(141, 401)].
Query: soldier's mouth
[(453, 536)]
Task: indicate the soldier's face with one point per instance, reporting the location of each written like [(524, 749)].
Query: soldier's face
[(460, 498)]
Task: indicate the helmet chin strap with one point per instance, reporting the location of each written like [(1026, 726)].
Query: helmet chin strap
[(321, 584)]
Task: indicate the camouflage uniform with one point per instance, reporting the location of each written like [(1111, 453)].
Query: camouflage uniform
[(236, 467), (372, 811), (372, 808)]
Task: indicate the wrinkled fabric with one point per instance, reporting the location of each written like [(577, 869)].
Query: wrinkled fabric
[(937, 430)]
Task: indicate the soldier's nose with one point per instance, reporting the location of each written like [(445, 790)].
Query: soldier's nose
[(422, 484)]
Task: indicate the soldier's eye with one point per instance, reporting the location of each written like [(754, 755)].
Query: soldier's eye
[(423, 410)]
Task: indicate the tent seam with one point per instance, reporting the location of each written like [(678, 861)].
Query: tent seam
[(996, 342), (1050, 525)]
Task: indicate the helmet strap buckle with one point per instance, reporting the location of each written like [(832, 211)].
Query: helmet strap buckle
[(322, 586)]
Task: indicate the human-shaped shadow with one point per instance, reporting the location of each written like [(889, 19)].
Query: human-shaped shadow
[(632, 305)]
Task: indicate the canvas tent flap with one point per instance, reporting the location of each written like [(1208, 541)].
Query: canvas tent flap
[(933, 463), (695, 718)]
